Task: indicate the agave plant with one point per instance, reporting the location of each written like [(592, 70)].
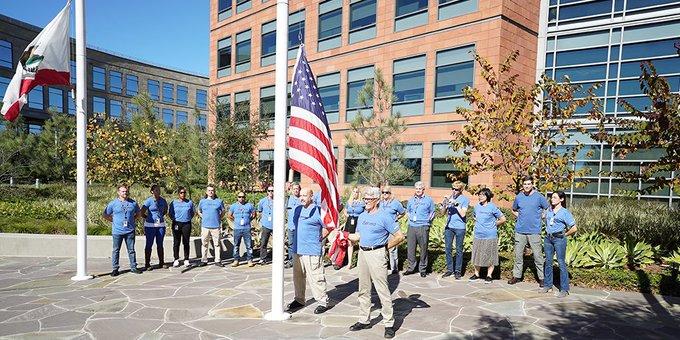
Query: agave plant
[(673, 259), (638, 253), (577, 254), (607, 254)]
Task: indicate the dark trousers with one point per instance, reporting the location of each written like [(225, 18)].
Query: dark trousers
[(181, 231), (264, 240), (417, 236), (449, 235)]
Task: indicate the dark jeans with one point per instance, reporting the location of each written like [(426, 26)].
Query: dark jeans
[(181, 231), (291, 239), (556, 245), (417, 236), (247, 239), (129, 244), (153, 233), (449, 235), (264, 239)]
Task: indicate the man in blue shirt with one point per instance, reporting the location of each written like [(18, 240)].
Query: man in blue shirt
[(393, 208), (374, 226), (456, 207), (420, 214), (241, 213), (310, 232), (153, 211), (211, 211), (528, 207), (293, 202), (122, 213), (265, 208)]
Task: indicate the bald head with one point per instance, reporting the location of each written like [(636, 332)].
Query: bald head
[(306, 196)]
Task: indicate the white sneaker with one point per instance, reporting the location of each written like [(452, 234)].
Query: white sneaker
[(187, 263), (176, 263)]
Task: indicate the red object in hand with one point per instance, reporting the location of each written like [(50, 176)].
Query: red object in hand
[(338, 249)]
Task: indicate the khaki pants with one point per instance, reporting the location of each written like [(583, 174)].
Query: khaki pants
[(206, 236), (372, 266), (308, 269), (535, 242)]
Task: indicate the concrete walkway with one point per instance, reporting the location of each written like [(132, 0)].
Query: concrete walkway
[(38, 300)]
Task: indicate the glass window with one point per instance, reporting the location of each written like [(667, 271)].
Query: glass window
[(115, 82), (413, 154), (201, 99), (405, 7), (182, 95), (329, 90), (637, 4), (168, 92), (409, 86), (201, 121), (243, 51), (582, 73), (267, 103), (587, 56), (296, 32), (592, 8), (649, 49), (330, 24), (453, 8), (223, 9), (455, 71), (73, 72), (4, 83), (168, 117), (268, 49), (6, 54), (224, 57), (34, 129), (442, 168), (182, 117), (242, 5), (56, 99), (115, 109), (223, 106), (98, 105), (154, 89), (242, 106), (409, 14), (356, 80), (98, 78), (131, 85), (362, 16), (35, 98), (131, 110)]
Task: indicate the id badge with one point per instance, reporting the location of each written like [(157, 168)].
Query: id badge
[(351, 221), (158, 221), (243, 222), (413, 218), (177, 227), (269, 218), (125, 224)]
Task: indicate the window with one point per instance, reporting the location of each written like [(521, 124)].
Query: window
[(409, 86), (413, 155), (35, 98), (201, 99), (330, 24), (132, 110), (267, 104), (168, 92), (361, 20), (329, 90), (455, 71), (223, 9), (268, 50), (168, 117), (182, 117), (223, 106), (34, 129), (71, 102), (98, 105), (154, 88), (131, 85), (5, 54), (201, 121), (242, 107), (243, 51), (98, 78), (266, 165), (224, 57), (356, 80), (453, 8), (115, 109), (182, 95), (56, 99), (242, 5), (409, 14), (73, 73), (4, 83), (296, 32), (115, 82), (352, 160), (441, 167)]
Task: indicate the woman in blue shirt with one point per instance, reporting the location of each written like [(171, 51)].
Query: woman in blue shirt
[(485, 243), (355, 206), (559, 223), (154, 209), (181, 212)]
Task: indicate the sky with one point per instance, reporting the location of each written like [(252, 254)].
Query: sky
[(169, 33)]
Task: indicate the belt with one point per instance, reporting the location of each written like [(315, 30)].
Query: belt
[(559, 234), (372, 248)]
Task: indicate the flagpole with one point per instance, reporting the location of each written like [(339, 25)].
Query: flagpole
[(280, 118), (81, 146)]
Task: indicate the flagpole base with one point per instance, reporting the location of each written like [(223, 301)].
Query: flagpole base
[(271, 316), (82, 277)]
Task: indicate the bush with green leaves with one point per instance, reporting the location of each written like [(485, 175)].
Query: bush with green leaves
[(638, 254), (607, 254), (673, 260)]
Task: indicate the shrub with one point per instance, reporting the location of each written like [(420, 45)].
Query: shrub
[(638, 253), (607, 254)]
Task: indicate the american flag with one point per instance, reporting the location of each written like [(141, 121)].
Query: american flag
[(309, 139)]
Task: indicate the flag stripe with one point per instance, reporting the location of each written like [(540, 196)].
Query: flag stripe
[(311, 155)]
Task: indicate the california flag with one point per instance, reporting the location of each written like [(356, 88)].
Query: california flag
[(44, 62)]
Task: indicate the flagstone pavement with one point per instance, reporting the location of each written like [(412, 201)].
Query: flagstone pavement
[(38, 300)]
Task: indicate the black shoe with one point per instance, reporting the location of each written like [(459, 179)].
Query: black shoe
[(359, 326), (336, 267), (423, 274), (219, 264), (473, 278), (148, 268), (203, 264), (115, 272), (457, 276), (447, 274), (409, 272), (389, 332), (513, 280), (320, 309), (135, 271), (488, 279), (294, 306), (540, 283), (288, 265)]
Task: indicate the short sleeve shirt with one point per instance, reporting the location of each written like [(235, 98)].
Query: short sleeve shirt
[(392, 208), (265, 208), (181, 211), (530, 209), (454, 220), (558, 221), (211, 210), (242, 214), (156, 210), (374, 229), (485, 221), (308, 230), (293, 202), (420, 211), (123, 214), (355, 208)]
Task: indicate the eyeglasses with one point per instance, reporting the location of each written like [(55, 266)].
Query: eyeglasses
[(455, 189), (182, 192), (270, 190), (368, 199), (386, 192), (241, 197)]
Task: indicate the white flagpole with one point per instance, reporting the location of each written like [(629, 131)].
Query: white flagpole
[(81, 145), (277, 312)]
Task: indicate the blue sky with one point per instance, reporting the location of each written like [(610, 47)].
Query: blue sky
[(171, 33)]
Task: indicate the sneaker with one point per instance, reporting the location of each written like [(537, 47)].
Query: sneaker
[(203, 264), (115, 272), (473, 278), (447, 274), (545, 290), (262, 262), (488, 279), (457, 276), (234, 264), (251, 264), (423, 274), (359, 326), (135, 271), (562, 294), (288, 265), (409, 272), (389, 332), (219, 264), (513, 280), (187, 263), (320, 309), (176, 263)]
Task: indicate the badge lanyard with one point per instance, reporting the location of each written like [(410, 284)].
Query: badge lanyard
[(415, 208)]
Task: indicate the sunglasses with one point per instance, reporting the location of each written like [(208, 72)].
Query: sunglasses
[(455, 189), (386, 192), (241, 197), (182, 192), (270, 190)]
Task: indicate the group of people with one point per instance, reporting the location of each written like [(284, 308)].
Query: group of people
[(372, 223)]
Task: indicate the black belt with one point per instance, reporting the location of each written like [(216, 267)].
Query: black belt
[(372, 248), (559, 234)]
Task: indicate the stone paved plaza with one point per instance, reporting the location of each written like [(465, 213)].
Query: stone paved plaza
[(38, 300)]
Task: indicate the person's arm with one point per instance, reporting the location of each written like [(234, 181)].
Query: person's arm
[(354, 237), (165, 209), (143, 212), (397, 239), (462, 211), (515, 208), (501, 220), (138, 212), (571, 231), (108, 214), (253, 214), (198, 211), (171, 211)]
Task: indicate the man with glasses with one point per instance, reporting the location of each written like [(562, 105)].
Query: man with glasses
[(420, 214), (122, 213), (456, 207), (242, 213), (293, 202), (211, 211), (396, 210), (265, 209)]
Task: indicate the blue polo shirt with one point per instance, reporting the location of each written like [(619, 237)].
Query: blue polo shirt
[(392, 207), (308, 226), (561, 220), (266, 208), (355, 208), (530, 208), (485, 221), (181, 211), (374, 229), (123, 213), (211, 210), (242, 214), (454, 219), (156, 210), (293, 202), (316, 199), (420, 211)]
